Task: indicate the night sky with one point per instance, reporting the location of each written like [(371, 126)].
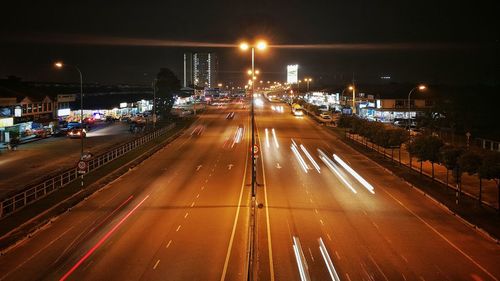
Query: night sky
[(416, 41)]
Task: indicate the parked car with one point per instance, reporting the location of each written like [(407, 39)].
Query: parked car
[(325, 117), (77, 133)]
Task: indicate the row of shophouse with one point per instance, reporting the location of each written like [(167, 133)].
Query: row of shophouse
[(380, 106)]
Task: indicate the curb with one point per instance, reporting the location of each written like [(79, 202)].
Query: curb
[(426, 195)]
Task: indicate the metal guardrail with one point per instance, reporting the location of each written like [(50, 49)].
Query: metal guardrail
[(18, 201)]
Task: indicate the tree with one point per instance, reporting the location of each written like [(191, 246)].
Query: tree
[(470, 162), (490, 168), (430, 150), (396, 138), (415, 147), (448, 156), (166, 84)]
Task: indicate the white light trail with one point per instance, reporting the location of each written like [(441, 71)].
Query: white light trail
[(267, 138), (328, 261), (368, 186), (316, 166), (275, 139), (301, 261), (329, 163), (299, 158)]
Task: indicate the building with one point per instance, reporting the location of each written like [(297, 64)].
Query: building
[(201, 70)]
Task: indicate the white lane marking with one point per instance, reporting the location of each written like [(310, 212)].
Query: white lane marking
[(329, 237), (235, 223), (347, 275), (442, 236), (310, 253), (310, 200), (337, 254), (230, 166), (156, 264), (186, 215), (278, 166), (378, 267), (198, 195), (178, 228), (192, 204), (316, 211), (203, 187), (321, 221), (206, 180), (168, 244), (198, 168), (210, 174)]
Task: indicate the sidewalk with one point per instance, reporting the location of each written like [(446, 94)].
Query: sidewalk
[(470, 183)]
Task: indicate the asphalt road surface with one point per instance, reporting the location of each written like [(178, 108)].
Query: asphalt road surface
[(183, 215), (392, 233), (180, 215)]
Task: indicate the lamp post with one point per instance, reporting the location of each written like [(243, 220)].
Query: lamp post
[(353, 98), (60, 65), (154, 102), (419, 87), (261, 45), (308, 80)]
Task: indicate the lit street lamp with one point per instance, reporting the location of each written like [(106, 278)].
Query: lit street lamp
[(308, 80), (421, 88), (60, 65), (261, 45)]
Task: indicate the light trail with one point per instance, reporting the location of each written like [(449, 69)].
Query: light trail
[(301, 261), (328, 261), (101, 241), (267, 138), (329, 163), (275, 139), (299, 158), (95, 40), (368, 186), (316, 166)]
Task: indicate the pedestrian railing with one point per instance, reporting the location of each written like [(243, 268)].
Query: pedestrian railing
[(32, 194)]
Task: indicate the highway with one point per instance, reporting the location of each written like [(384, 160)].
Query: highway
[(180, 215), (393, 233), (183, 214)]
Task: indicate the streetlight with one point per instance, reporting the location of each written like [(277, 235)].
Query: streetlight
[(60, 65), (154, 103), (308, 80), (420, 88), (260, 45)]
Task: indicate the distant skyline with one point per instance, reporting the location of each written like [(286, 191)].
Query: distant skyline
[(445, 42)]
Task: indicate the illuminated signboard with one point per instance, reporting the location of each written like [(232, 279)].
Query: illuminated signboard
[(123, 104), (18, 111), (292, 73), (6, 122), (63, 112)]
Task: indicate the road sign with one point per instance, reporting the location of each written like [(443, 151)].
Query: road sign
[(255, 149), (82, 167)]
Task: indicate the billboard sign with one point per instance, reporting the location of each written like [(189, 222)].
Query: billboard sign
[(292, 73)]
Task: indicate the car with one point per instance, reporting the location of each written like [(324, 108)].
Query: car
[(77, 133), (325, 116)]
